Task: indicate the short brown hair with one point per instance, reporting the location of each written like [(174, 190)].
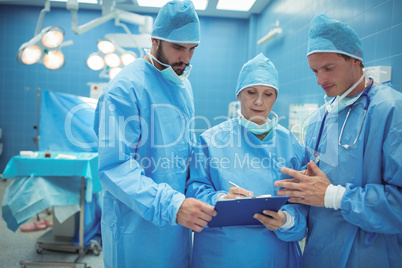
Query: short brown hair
[(346, 57)]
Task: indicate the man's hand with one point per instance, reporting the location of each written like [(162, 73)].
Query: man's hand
[(274, 222), (238, 192), (306, 187), (195, 214)]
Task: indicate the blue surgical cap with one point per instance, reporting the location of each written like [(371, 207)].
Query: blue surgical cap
[(259, 71), (177, 22), (332, 36)]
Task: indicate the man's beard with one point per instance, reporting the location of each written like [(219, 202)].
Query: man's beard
[(160, 56)]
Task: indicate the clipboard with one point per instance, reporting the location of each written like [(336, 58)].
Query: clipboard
[(240, 211)]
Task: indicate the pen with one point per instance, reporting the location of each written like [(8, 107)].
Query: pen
[(233, 184)]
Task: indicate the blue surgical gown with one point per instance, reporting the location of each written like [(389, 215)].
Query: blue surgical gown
[(143, 122), (229, 152), (364, 232)]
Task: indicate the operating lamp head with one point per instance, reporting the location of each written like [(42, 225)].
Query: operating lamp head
[(44, 48)]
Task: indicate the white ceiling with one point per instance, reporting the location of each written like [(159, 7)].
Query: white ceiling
[(131, 5)]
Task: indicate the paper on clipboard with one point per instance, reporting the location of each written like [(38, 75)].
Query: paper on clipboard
[(232, 212)]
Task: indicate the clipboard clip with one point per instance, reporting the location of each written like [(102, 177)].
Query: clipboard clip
[(254, 196)]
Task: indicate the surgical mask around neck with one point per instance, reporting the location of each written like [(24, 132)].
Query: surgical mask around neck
[(258, 129), (169, 73), (340, 102)]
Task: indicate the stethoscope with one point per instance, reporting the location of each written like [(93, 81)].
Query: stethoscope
[(316, 157)]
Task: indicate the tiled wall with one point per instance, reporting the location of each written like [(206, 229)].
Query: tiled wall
[(226, 45), (377, 22), (216, 64)]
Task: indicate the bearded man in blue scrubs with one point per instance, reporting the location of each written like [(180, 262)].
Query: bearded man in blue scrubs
[(143, 122), (355, 189)]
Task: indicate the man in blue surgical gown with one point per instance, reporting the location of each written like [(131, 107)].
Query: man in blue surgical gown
[(249, 151), (143, 122), (355, 190)]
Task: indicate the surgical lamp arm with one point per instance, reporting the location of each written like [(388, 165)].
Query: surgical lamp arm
[(88, 26), (118, 23), (144, 22), (67, 43), (41, 16)]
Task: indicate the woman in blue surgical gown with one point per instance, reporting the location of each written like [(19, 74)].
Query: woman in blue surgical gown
[(249, 151)]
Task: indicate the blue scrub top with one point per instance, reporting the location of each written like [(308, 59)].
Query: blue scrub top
[(364, 232), (229, 152), (143, 124)]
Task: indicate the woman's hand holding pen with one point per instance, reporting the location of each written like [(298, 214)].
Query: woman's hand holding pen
[(236, 191)]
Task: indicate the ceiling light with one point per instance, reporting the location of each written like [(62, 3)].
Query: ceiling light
[(152, 3), (79, 1), (198, 4), (236, 5)]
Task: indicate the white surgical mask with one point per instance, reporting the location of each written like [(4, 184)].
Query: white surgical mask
[(345, 102), (169, 73), (341, 102), (258, 129)]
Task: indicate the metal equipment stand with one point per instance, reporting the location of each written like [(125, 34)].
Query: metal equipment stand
[(48, 241)]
